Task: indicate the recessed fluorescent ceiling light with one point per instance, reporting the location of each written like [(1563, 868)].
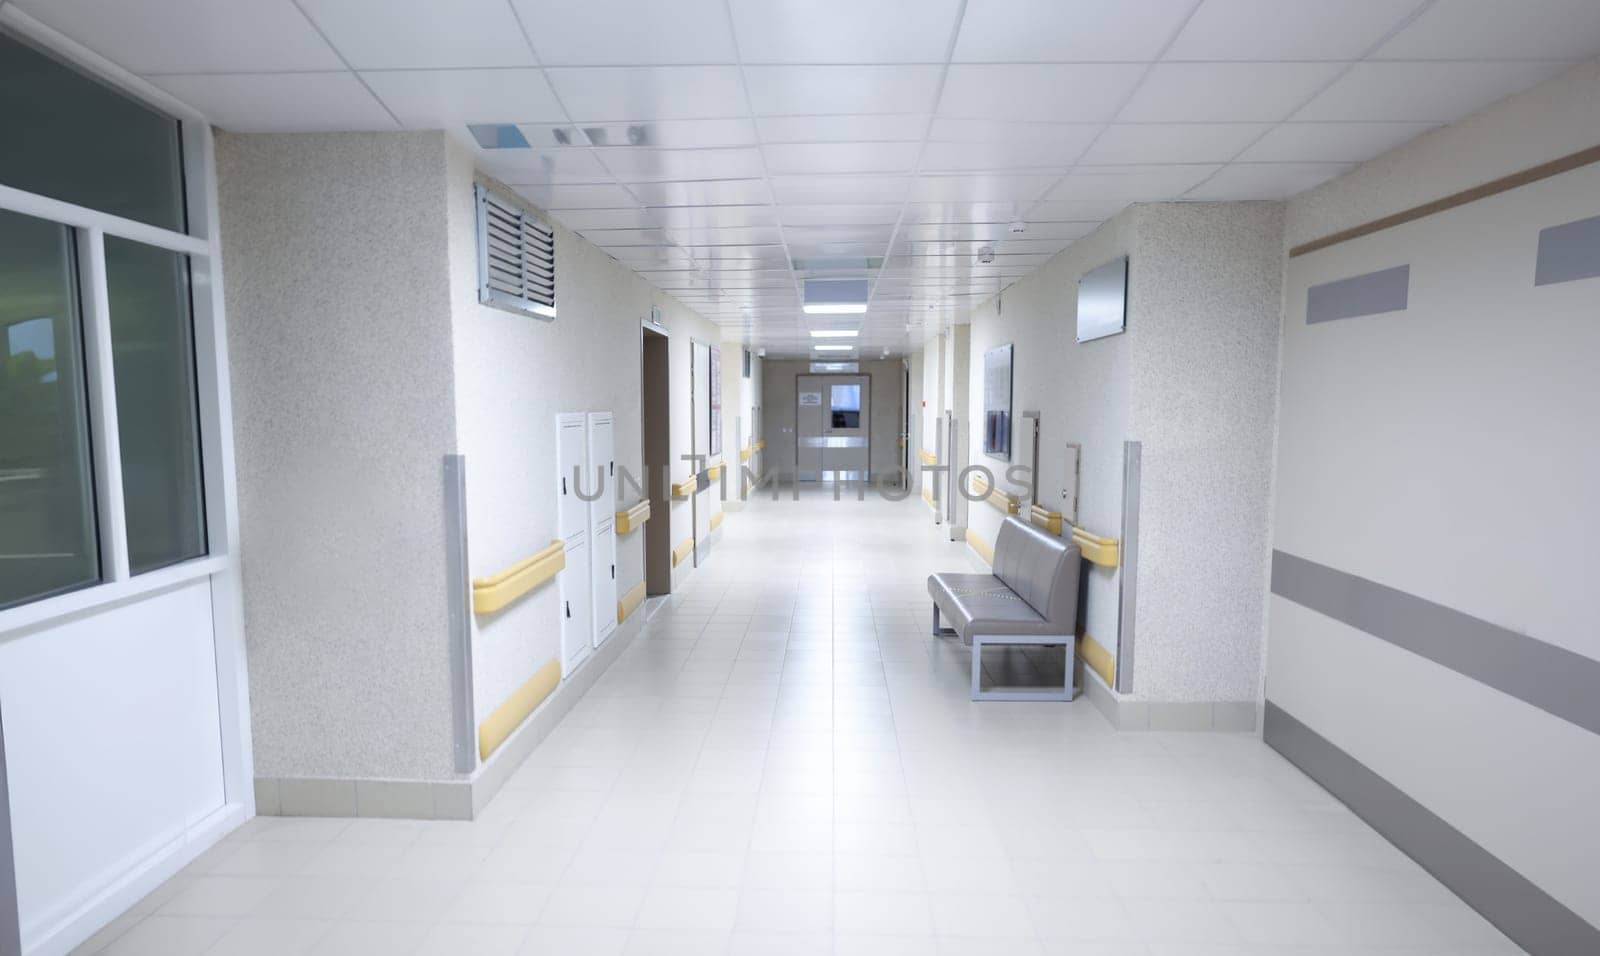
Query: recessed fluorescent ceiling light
[(835, 333), (833, 348), (835, 296)]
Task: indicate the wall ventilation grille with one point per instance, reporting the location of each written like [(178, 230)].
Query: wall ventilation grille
[(516, 257)]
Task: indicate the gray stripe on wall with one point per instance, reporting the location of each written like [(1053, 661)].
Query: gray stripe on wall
[(1533, 919), (1550, 678), (1568, 252), (1385, 291)]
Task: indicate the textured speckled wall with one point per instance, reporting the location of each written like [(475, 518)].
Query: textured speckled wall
[(339, 338), (1203, 363)]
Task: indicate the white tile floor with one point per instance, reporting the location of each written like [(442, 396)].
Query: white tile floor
[(786, 762)]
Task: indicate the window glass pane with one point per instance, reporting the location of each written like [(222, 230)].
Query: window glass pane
[(47, 523), (152, 348), (844, 401), (75, 139)]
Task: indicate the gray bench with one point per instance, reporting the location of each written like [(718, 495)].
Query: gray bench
[(1030, 599)]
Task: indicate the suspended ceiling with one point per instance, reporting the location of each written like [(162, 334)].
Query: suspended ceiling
[(728, 149)]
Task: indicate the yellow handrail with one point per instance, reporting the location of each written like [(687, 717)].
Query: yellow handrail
[(630, 601), (683, 489), (634, 518), (1005, 503), (681, 553), (927, 457), (492, 593), (1104, 552), (1048, 520)]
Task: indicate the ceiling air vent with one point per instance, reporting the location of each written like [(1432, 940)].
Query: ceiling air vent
[(516, 257)]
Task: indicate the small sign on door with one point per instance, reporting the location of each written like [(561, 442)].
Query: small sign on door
[(810, 398)]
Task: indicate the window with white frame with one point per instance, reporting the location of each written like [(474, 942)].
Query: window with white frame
[(516, 256), (100, 457)]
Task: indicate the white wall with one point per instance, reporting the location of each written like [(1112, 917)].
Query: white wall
[(340, 342), (513, 375), (1442, 451), (1081, 392)]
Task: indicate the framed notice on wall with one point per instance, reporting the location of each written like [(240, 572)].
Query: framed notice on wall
[(997, 403), (716, 402)]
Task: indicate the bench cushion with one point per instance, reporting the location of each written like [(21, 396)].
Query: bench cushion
[(982, 604), (1034, 589)]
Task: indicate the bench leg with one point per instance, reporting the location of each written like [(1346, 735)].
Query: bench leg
[(935, 618), (1064, 692)]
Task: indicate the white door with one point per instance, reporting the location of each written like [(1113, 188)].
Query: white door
[(844, 428), (572, 457), (602, 525), (577, 634)]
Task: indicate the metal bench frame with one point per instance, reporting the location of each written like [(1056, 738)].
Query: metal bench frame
[(1065, 692)]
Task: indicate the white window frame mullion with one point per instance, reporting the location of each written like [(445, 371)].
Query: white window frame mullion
[(104, 436)]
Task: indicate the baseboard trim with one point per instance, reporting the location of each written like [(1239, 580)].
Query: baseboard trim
[(1527, 914), (458, 799), (1206, 716)]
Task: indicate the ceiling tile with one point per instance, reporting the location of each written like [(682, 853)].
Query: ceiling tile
[(682, 217), (519, 167), (602, 196), (814, 235), (608, 238), (1225, 92), (731, 192), (1172, 142), (1061, 92), (649, 92), (1288, 29), (986, 187), (217, 36), (1330, 142), (1002, 154), (819, 90), (281, 102), (1131, 183), (626, 32), (421, 34), (1056, 232), (843, 31), (841, 157), (868, 214), (1497, 30), (946, 212), (1061, 135), (430, 99), (581, 220), (632, 164), (1422, 92), (841, 129), (1059, 31), (676, 134), (1265, 181), (813, 190), (1077, 210), (727, 236)]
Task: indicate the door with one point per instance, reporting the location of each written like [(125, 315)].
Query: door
[(808, 427), (844, 428), (572, 454), (602, 525), (701, 404)]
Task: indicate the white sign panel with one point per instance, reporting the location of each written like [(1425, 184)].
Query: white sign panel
[(1103, 300)]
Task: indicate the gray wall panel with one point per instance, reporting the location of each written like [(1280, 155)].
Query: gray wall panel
[(1551, 678), (1568, 252), (1384, 291)]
